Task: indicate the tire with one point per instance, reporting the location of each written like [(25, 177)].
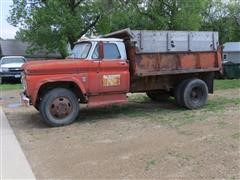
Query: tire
[(194, 94), (178, 92), (158, 96), (59, 107)]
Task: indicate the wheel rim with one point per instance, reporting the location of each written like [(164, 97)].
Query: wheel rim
[(61, 107), (196, 94)]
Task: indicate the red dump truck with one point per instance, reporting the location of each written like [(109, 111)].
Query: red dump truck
[(103, 70)]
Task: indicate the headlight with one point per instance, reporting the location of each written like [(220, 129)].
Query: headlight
[(3, 69)]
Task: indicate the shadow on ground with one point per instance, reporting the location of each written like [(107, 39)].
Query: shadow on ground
[(131, 109)]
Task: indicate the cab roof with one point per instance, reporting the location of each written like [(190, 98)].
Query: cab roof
[(100, 39), (5, 57)]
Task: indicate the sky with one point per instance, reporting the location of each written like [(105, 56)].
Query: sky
[(7, 31)]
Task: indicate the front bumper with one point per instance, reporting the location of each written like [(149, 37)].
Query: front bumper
[(24, 99)]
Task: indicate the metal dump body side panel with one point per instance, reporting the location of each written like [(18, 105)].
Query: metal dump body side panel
[(175, 63), (153, 53), (174, 41), (154, 41), (203, 41)]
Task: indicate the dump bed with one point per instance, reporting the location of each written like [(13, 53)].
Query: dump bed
[(154, 53)]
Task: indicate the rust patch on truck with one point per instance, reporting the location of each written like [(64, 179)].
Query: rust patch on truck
[(175, 63)]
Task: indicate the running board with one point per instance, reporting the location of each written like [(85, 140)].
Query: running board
[(104, 100)]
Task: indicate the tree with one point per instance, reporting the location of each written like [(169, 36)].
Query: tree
[(173, 14), (120, 14), (152, 15), (52, 24), (207, 15), (224, 18)]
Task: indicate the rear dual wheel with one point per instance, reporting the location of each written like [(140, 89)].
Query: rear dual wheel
[(192, 93), (59, 107)]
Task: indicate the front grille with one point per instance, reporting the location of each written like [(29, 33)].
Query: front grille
[(15, 70)]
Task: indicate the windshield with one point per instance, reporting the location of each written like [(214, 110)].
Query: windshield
[(12, 60), (81, 50)]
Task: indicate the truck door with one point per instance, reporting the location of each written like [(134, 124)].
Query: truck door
[(113, 75)]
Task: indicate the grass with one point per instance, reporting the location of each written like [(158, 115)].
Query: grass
[(220, 103), (150, 164), (236, 136), (6, 87), (222, 124), (226, 84), (178, 117), (167, 113)]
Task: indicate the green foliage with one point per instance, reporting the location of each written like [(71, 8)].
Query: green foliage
[(153, 14), (224, 18), (6, 87), (119, 15), (174, 14), (52, 24), (150, 164), (236, 136)]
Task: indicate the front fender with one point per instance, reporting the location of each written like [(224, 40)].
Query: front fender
[(73, 79)]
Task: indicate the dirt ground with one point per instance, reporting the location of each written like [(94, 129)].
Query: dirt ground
[(139, 140)]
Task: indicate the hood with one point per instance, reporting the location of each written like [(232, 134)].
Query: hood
[(12, 65), (50, 66)]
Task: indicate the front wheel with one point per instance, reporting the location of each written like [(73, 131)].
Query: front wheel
[(59, 107)]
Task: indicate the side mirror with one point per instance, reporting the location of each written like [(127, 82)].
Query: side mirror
[(100, 50)]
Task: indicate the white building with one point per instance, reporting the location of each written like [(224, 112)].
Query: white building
[(231, 52)]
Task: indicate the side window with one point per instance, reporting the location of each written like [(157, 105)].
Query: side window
[(95, 54), (110, 51)]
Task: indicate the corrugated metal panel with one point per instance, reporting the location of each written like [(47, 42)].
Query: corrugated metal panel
[(148, 42), (204, 41), (174, 41)]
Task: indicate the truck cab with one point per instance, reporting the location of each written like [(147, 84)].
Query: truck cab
[(96, 73), (101, 71), (108, 59)]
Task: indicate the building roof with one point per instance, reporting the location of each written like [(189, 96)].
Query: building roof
[(12, 47), (231, 47)]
